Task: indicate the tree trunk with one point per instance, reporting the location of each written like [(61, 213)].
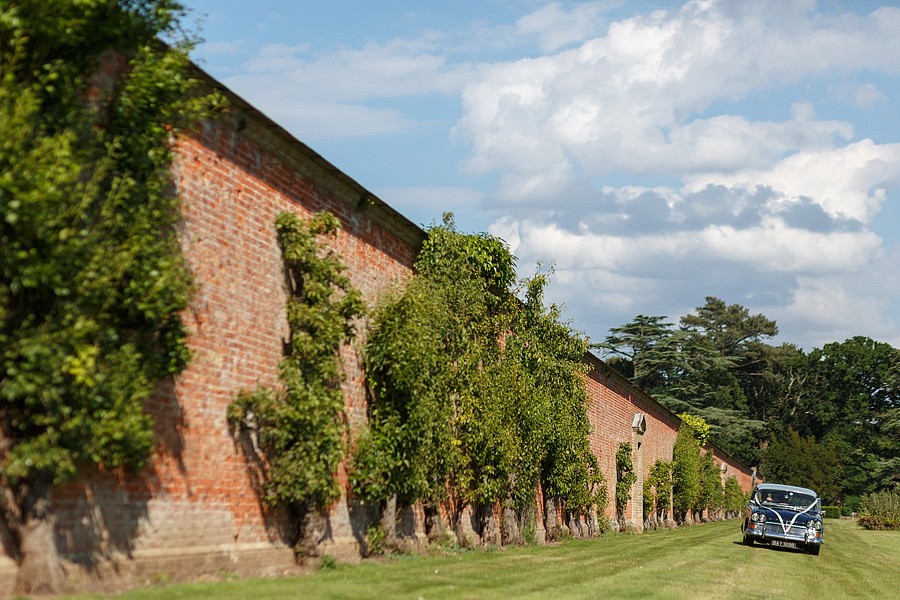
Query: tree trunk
[(512, 534), (314, 529), (389, 522), (40, 570)]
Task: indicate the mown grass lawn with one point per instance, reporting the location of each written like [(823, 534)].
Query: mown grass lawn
[(693, 562)]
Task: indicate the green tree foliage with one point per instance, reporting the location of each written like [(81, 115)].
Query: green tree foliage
[(649, 497), (850, 400), (426, 355), (92, 281), (698, 367), (881, 510), (644, 350), (698, 426), (477, 397), (717, 366), (733, 497), (301, 427), (795, 460), (731, 330), (685, 472), (549, 356)]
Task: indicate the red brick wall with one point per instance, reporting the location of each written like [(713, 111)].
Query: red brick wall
[(234, 177), (743, 474), (613, 404)]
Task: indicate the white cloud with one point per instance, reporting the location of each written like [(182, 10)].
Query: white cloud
[(630, 100), (819, 287), (397, 68), (868, 96), (311, 119), (556, 27), (836, 307), (848, 182), (771, 246)]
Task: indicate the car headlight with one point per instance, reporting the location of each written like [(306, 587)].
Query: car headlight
[(758, 518), (815, 525)]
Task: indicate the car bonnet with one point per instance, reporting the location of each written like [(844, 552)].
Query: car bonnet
[(787, 517)]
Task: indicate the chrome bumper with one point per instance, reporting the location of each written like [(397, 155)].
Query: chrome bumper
[(765, 532)]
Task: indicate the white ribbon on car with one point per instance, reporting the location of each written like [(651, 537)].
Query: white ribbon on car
[(787, 527)]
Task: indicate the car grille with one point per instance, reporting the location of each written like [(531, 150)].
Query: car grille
[(795, 531)]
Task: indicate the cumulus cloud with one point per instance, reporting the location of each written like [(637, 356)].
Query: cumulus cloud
[(847, 182), (556, 26), (633, 99), (773, 213)]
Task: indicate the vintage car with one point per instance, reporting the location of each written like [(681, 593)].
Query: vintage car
[(784, 516)]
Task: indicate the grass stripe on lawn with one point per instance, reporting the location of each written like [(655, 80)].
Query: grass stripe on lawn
[(704, 561)]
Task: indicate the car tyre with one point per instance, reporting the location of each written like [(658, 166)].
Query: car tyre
[(748, 541), (814, 550)]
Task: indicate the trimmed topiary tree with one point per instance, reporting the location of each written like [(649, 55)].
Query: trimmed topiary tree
[(476, 396), (685, 473)]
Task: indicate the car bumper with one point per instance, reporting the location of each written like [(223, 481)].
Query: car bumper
[(769, 532)]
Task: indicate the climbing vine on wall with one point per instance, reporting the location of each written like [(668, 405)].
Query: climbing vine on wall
[(92, 280), (660, 480), (300, 428), (733, 500), (625, 478)]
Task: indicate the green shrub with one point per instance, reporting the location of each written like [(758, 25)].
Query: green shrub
[(301, 426), (685, 472), (878, 522), (734, 499), (832, 512), (880, 510)]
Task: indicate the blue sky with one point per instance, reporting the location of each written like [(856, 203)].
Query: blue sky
[(655, 152)]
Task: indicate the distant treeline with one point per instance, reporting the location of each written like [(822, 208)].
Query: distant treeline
[(828, 419)]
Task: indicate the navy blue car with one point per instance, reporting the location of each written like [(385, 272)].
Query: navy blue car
[(785, 516)]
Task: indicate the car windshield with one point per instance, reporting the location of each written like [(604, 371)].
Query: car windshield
[(785, 499)]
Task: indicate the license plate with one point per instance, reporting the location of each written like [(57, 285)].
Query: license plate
[(781, 544)]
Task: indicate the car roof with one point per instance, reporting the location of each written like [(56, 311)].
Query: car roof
[(786, 488)]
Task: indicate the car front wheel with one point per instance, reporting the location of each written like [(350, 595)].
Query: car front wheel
[(748, 541), (814, 550)]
